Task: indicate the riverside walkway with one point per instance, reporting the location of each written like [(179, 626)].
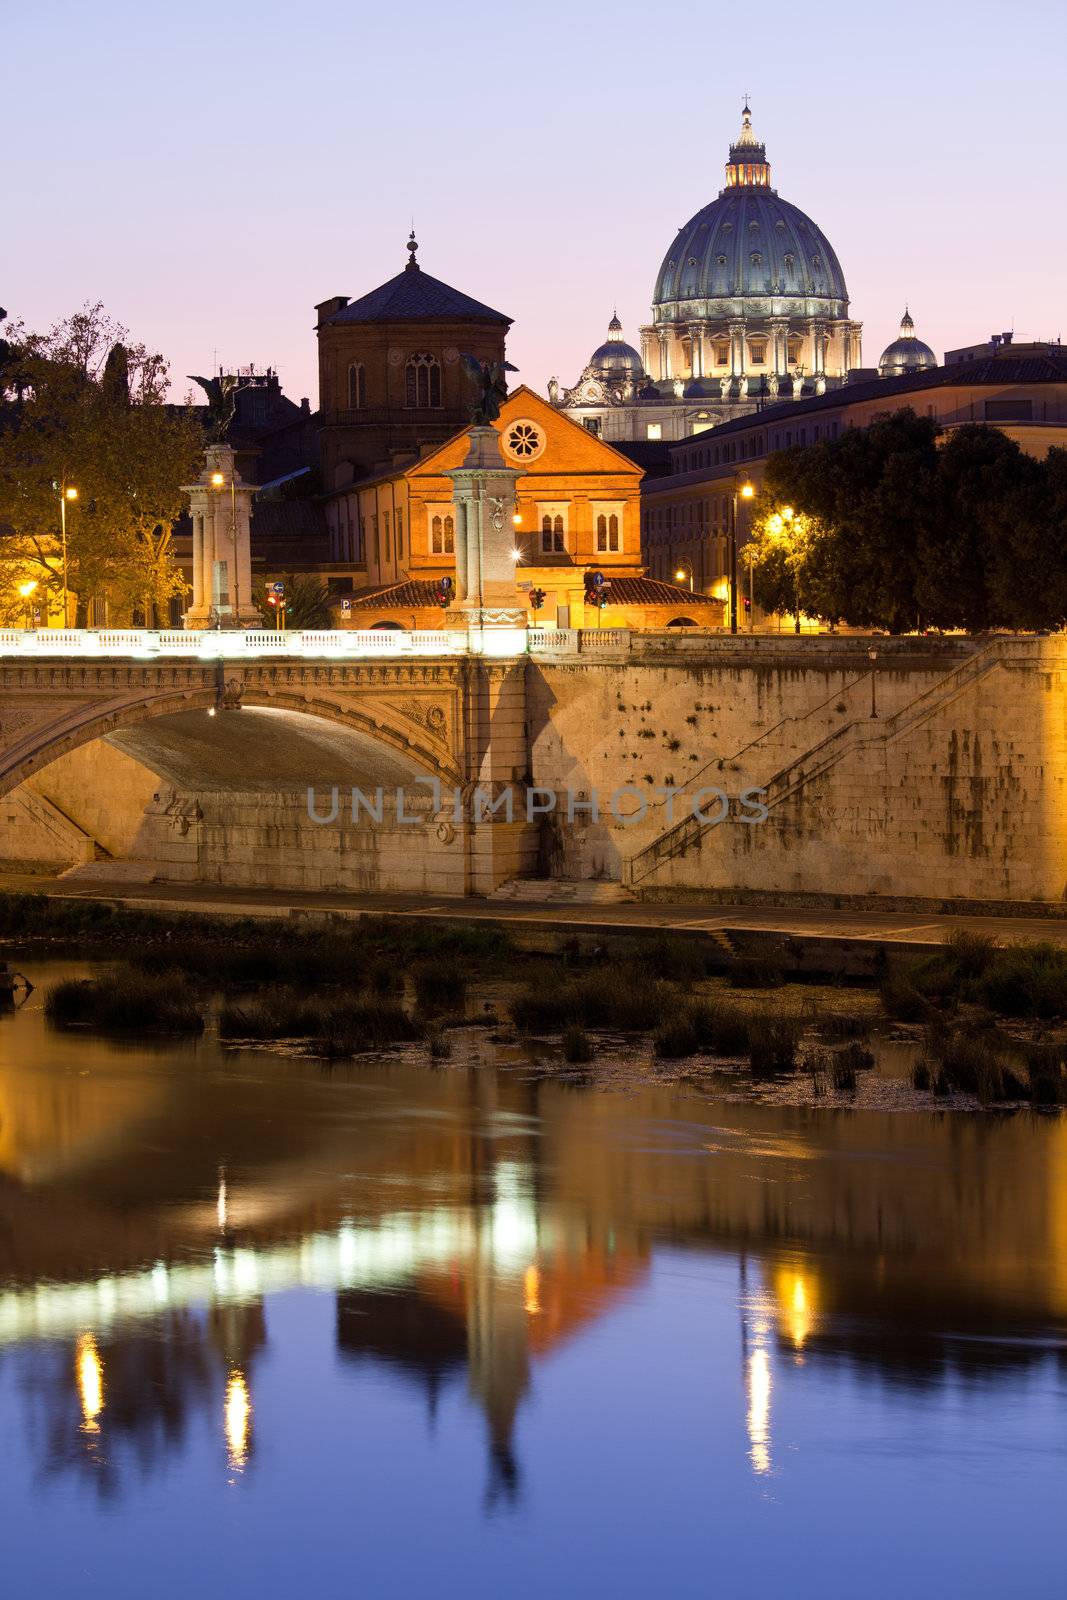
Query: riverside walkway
[(864, 928)]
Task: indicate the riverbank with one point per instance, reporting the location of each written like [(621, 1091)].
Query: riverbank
[(973, 1018), (805, 940)]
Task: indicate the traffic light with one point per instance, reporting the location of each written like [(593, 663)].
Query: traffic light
[(595, 590), (443, 592), (537, 599)]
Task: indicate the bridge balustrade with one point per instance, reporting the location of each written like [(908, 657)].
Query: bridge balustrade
[(215, 643)]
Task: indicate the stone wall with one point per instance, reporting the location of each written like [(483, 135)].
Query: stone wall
[(949, 786)]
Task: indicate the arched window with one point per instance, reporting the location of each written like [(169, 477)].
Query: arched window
[(357, 386), (553, 534), (607, 531), (442, 536), (422, 381)]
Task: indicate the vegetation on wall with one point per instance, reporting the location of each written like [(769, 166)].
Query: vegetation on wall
[(904, 526)]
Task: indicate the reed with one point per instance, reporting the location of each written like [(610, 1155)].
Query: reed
[(124, 1001)]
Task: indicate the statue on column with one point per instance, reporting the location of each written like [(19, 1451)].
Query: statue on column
[(489, 388)]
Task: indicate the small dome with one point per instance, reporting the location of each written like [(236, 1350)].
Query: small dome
[(615, 358), (906, 353)]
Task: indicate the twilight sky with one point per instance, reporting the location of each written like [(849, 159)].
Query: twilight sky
[(212, 170)]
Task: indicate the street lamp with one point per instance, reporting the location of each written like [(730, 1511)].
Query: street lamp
[(218, 481), (787, 513), (26, 590), (744, 492), (66, 492), (872, 657), (684, 571)]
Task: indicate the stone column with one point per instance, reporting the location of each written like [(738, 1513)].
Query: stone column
[(197, 518), (696, 339), (856, 343), (483, 492), (223, 511), (818, 342), (737, 348), (779, 331)]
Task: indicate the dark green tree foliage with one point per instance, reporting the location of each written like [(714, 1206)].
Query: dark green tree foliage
[(898, 526)]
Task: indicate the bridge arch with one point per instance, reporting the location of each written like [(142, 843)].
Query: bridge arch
[(420, 738)]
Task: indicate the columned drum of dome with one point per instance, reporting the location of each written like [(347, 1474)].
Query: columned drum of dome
[(750, 295)]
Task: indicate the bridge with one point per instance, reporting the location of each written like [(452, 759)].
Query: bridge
[(928, 770)]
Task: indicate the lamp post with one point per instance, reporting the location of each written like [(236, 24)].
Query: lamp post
[(67, 492), (218, 482), (743, 492), (26, 590), (787, 514), (685, 570)]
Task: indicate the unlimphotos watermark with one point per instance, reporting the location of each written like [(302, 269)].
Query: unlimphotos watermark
[(627, 805)]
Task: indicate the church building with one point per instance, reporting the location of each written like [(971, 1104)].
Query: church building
[(577, 512), (749, 306)]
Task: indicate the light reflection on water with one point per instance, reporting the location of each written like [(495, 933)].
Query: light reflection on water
[(552, 1337)]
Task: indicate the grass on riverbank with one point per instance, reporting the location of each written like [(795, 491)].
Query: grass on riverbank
[(124, 1002), (1019, 980), (335, 1025)]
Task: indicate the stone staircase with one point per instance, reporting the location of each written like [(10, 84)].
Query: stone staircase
[(824, 754), (72, 841)]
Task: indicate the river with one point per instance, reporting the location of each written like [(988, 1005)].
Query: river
[(396, 1327)]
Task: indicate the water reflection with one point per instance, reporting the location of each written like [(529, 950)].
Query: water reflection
[(469, 1226)]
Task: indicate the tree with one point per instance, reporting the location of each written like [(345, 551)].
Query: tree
[(80, 406), (306, 603), (988, 505)]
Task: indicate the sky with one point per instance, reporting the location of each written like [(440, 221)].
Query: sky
[(211, 171)]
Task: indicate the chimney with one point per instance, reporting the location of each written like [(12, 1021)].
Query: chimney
[(328, 308), (305, 405)]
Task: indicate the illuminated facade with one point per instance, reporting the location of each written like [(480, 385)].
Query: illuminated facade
[(750, 305), (577, 510)]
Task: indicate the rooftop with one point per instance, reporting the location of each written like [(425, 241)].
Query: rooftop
[(997, 373), (413, 296)]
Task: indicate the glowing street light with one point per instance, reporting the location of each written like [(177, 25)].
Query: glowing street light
[(26, 589), (685, 571), (67, 492), (745, 491)]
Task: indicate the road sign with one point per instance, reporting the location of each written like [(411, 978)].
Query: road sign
[(346, 605), (279, 588)]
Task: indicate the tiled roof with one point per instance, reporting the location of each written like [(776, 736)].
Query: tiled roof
[(654, 592), (413, 296), (418, 592), (397, 596)]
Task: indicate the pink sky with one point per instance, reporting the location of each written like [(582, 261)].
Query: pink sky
[(210, 173)]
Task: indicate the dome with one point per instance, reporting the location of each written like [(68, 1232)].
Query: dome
[(615, 358), (906, 353), (748, 244)]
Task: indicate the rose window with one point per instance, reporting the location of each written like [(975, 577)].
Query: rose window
[(524, 441)]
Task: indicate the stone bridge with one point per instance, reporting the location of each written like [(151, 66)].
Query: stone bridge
[(933, 774)]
